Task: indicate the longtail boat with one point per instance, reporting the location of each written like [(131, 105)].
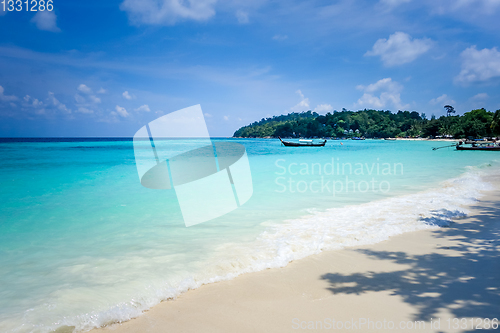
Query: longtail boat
[(473, 145), (479, 146), (302, 143)]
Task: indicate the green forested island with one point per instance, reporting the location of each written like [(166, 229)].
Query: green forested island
[(375, 124)]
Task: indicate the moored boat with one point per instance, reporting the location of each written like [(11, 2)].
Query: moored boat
[(484, 146), (302, 143)]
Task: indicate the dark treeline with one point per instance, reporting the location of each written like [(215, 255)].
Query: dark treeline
[(375, 124)]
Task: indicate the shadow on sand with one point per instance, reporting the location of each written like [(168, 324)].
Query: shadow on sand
[(465, 280)]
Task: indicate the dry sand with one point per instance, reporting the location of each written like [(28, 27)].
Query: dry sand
[(431, 276)]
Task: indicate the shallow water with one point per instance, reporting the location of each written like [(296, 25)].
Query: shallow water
[(83, 244)]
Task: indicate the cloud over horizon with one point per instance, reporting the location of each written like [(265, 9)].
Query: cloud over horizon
[(390, 95), (121, 111), (442, 100), (6, 98), (399, 49), (479, 65), (304, 105)]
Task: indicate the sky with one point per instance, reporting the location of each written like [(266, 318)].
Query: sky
[(106, 68)]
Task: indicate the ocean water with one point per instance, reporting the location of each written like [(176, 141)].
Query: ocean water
[(83, 244)]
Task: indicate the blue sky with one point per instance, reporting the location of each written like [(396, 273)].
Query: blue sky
[(105, 68)]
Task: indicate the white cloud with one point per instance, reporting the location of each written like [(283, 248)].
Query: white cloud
[(85, 104), (394, 3), (280, 37), (471, 7), (126, 95), (207, 115), (121, 111), (144, 108), (36, 103), (226, 117), (480, 96), (94, 99), (79, 99), (399, 49), (58, 104), (51, 104), (83, 88), (323, 108), (101, 91), (6, 98), (242, 17), (46, 20), (84, 110), (32, 102), (167, 12), (479, 65), (390, 95), (442, 100), (303, 105), (479, 100)]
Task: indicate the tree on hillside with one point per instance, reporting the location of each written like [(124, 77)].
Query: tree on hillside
[(375, 124), (495, 123), (449, 109), (476, 123)]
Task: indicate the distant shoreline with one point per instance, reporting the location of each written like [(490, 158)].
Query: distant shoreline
[(477, 123), (369, 139)]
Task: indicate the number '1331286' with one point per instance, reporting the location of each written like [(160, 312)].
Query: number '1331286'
[(27, 5)]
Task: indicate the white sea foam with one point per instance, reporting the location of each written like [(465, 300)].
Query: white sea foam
[(368, 223), (280, 244)]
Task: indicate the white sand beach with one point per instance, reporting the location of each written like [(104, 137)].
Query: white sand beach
[(441, 280)]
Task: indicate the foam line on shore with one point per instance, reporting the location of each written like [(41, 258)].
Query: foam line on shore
[(295, 239)]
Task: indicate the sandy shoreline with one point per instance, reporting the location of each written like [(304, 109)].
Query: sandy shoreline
[(421, 279)]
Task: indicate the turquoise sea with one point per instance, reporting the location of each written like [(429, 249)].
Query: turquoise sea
[(83, 244)]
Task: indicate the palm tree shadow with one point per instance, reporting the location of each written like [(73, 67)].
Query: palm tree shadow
[(466, 281)]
